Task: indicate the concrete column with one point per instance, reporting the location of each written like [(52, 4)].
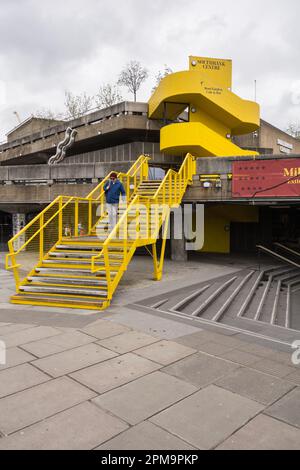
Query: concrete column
[(19, 221), (178, 251)]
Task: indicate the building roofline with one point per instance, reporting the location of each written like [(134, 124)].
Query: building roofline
[(29, 119), (19, 125), (278, 129)]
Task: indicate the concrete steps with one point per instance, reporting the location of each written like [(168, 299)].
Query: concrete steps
[(258, 297)]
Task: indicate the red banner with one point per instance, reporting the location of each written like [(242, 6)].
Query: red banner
[(266, 178)]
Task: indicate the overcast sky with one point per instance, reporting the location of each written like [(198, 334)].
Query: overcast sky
[(47, 47)]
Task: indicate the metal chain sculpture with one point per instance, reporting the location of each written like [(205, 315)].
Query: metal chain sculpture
[(216, 114), (63, 146)]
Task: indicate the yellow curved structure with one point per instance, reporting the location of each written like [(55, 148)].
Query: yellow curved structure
[(215, 112)]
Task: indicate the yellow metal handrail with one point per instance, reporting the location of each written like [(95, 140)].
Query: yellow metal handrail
[(141, 165), (169, 194), (32, 236)]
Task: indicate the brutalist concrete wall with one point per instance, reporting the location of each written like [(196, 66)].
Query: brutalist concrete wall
[(31, 126), (125, 117), (40, 184), (221, 166), (26, 196), (125, 152), (44, 173)]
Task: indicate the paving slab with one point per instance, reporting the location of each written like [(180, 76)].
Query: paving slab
[(215, 349), (145, 436), (208, 417), (127, 342), (40, 402), (15, 357), (28, 335), (284, 358), (13, 328), (115, 372), (102, 329), (255, 385), (145, 397), (294, 377), (199, 339), (59, 343), (195, 340), (82, 427), (200, 369), (264, 433), (165, 352), (240, 357), (272, 367), (154, 325), (287, 409), (257, 350), (75, 359), (19, 378)]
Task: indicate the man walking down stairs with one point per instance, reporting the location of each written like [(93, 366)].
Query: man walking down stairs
[(113, 190)]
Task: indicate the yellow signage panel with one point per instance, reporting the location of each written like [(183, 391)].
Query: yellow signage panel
[(218, 71)]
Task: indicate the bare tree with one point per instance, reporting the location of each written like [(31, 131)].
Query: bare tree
[(77, 105), (46, 113), (294, 130), (108, 95), (132, 76), (161, 74)]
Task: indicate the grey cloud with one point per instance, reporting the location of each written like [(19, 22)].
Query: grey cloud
[(48, 46)]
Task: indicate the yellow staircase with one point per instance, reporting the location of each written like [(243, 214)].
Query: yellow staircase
[(66, 257), (216, 114)]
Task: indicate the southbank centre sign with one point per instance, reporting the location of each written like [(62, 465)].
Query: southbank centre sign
[(217, 71)]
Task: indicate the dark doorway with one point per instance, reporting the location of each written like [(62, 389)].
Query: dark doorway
[(276, 224), (5, 230), (243, 237)]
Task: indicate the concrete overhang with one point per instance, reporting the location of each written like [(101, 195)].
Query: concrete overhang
[(123, 123)]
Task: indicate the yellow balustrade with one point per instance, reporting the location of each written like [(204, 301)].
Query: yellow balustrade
[(62, 218), (74, 221), (168, 195)]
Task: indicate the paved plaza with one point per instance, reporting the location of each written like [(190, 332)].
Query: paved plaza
[(128, 379)]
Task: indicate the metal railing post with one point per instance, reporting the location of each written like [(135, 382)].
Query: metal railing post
[(125, 235), (60, 218), (107, 270), (170, 188), (41, 237), (90, 215), (76, 219), (128, 188)]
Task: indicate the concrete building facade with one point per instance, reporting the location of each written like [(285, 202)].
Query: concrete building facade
[(269, 140), (112, 139)]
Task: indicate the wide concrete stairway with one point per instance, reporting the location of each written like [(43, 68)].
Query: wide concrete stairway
[(262, 296)]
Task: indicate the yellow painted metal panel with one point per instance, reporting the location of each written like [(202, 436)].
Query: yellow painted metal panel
[(215, 112), (217, 225), (215, 70), (198, 139)]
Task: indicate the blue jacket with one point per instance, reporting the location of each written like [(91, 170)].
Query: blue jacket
[(113, 191)]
